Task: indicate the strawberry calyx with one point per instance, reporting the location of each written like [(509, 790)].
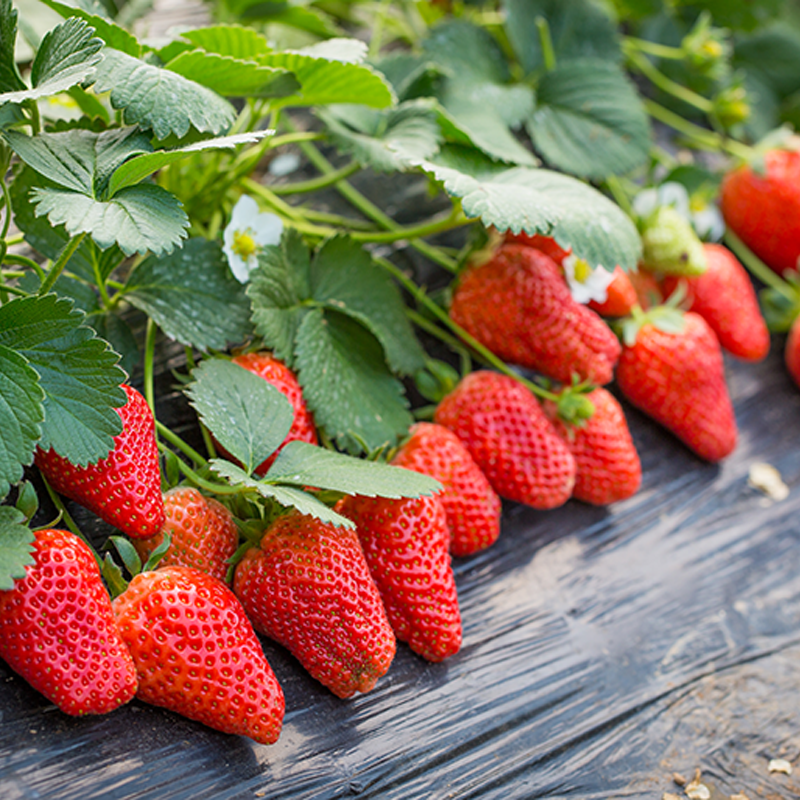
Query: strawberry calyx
[(573, 406), (666, 317)]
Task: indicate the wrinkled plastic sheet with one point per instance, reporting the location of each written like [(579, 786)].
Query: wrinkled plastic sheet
[(604, 649)]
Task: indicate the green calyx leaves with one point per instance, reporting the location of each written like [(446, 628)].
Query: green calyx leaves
[(666, 317)]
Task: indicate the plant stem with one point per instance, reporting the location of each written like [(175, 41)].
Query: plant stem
[(57, 268), (149, 360), (22, 261), (296, 137), (758, 267), (176, 440), (546, 43), (653, 48), (445, 222), (68, 520), (351, 223), (314, 184), (215, 488), (18, 239), (7, 203), (620, 195)]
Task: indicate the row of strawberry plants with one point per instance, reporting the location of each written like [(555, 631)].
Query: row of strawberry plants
[(316, 291)]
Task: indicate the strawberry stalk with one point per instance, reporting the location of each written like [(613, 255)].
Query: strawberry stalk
[(68, 520), (61, 262)]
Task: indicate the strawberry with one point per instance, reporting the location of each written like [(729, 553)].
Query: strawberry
[(57, 629), (791, 353), (283, 379), (675, 374), (196, 653), (762, 207), (608, 466), (308, 587), (512, 441), (545, 244), (519, 306), (203, 533), (647, 287), (620, 299), (471, 505), (724, 296), (405, 544), (124, 488)]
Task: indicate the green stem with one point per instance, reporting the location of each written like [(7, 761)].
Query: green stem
[(445, 222), (351, 223), (149, 361), (7, 203), (176, 440), (296, 137), (14, 290), (210, 486), (377, 31), (658, 78), (546, 42), (620, 195), (653, 48), (18, 239), (57, 268), (314, 184), (22, 261), (758, 267), (68, 520)]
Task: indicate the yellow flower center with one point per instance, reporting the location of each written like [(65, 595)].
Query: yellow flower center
[(712, 48), (244, 245), (582, 270)]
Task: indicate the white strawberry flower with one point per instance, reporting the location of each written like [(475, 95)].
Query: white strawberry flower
[(586, 284), (696, 209), (248, 231)]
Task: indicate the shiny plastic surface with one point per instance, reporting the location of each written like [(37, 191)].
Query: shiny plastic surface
[(603, 650)]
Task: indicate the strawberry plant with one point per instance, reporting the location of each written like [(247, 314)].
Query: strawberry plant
[(552, 169)]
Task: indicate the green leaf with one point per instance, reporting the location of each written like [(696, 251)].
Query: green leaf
[(159, 99), (384, 140), (578, 28), (112, 34), (411, 75), (10, 79), (344, 278), (292, 14), (303, 464), (137, 219), (285, 495), (233, 77), (21, 416), (192, 296), (16, 545), (468, 51), (88, 261), (589, 120), (774, 54), (77, 371), (246, 414), (328, 74), (139, 167), (278, 288), (229, 40), (346, 383), (540, 201), (116, 331)]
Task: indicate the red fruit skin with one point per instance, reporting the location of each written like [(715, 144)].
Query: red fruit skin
[(791, 352), (519, 306), (621, 297), (512, 441), (308, 587), (405, 543), (196, 653), (283, 379), (57, 630), (470, 504), (724, 296), (202, 530), (647, 288), (608, 466), (545, 244), (764, 210), (678, 379), (124, 489)]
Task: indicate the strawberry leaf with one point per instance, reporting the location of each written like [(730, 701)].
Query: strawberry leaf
[(10, 79), (246, 414), (67, 56), (159, 99), (137, 219), (16, 547), (192, 296), (303, 464), (346, 383), (21, 416), (539, 201), (95, 15), (595, 36), (77, 372), (229, 40), (589, 120)]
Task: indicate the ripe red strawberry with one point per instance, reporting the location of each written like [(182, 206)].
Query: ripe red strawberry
[(621, 297), (203, 533), (512, 441), (124, 488), (406, 543), (196, 653), (546, 244), (791, 353), (677, 377), (57, 629), (519, 306), (724, 296), (308, 587), (608, 466), (283, 379), (763, 208), (647, 288), (471, 505)]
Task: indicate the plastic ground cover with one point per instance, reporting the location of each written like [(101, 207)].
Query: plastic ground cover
[(604, 649)]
